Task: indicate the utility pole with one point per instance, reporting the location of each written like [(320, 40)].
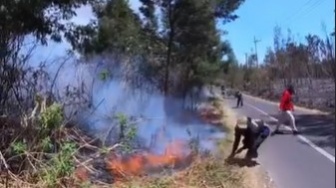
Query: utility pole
[(246, 59), (256, 41)]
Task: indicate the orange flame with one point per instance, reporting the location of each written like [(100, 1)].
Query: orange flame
[(139, 163)]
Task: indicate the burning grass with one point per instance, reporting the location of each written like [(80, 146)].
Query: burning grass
[(209, 171), (80, 161)]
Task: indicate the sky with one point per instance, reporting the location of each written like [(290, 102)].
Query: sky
[(257, 18)]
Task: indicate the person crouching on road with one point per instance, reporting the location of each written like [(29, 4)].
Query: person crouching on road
[(286, 109), (254, 133), (239, 97)]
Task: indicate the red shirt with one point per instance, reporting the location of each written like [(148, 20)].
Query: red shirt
[(286, 101)]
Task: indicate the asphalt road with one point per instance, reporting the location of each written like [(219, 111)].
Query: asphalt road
[(305, 161)]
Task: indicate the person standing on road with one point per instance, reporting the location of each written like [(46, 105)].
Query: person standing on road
[(286, 109), (239, 97), (223, 90)]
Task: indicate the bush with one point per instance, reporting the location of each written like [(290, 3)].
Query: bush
[(40, 148)]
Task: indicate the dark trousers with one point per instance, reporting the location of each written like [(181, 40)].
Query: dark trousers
[(239, 101), (257, 141)]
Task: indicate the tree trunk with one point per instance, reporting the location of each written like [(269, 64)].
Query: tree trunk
[(169, 51)]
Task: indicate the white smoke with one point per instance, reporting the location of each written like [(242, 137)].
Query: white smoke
[(98, 99)]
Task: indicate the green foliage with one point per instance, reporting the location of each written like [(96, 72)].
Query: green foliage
[(200, 52), (62, 165), (128, 132), (22, 18), (288, 61), (118, 30), (148, 11), (52, 117), (104, 75), (197, 58), (129, 138), (104, 150), (42, 147), (18, 147), (46, 144), (185, 45)]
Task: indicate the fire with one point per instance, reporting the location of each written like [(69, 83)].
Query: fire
[(174, 155), (138, 164)]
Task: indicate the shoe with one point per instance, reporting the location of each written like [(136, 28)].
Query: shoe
[(296, 132), (276, 132)]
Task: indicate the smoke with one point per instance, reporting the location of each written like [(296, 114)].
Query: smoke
[(95, 90)]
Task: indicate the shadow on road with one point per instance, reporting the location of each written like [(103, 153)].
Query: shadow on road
[(320, 129)]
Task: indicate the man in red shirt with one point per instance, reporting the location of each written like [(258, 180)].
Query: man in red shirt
[(286, 108)]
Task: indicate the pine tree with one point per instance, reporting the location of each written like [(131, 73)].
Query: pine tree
[(118, 30), (193, 41)]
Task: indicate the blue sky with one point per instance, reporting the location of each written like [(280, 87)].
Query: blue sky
[(259, 17), (256, 18)]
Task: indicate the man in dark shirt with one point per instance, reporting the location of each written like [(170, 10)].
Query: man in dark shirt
[(254, 134), (223, 90), (239, 97)]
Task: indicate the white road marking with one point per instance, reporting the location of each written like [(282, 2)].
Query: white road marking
[(302, 138)]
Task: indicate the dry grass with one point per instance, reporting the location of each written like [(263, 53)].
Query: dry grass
[(210, 172), (203, 173)]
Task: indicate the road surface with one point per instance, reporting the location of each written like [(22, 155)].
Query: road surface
[(305, 161)]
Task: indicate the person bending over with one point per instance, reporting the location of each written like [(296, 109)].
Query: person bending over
[(254, 133)]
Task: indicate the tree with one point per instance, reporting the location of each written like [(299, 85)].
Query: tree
[(148, 11), (228, 59), (309, 66), (170, 15), (21, 18), (188, 52), (38, 19), (193, 40), (202, 49), (118, 29)]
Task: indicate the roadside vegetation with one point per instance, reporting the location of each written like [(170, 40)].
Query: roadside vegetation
[(213, 170), (41, 142), (308, 65)]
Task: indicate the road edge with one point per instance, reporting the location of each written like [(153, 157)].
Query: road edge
[(301, 137)]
